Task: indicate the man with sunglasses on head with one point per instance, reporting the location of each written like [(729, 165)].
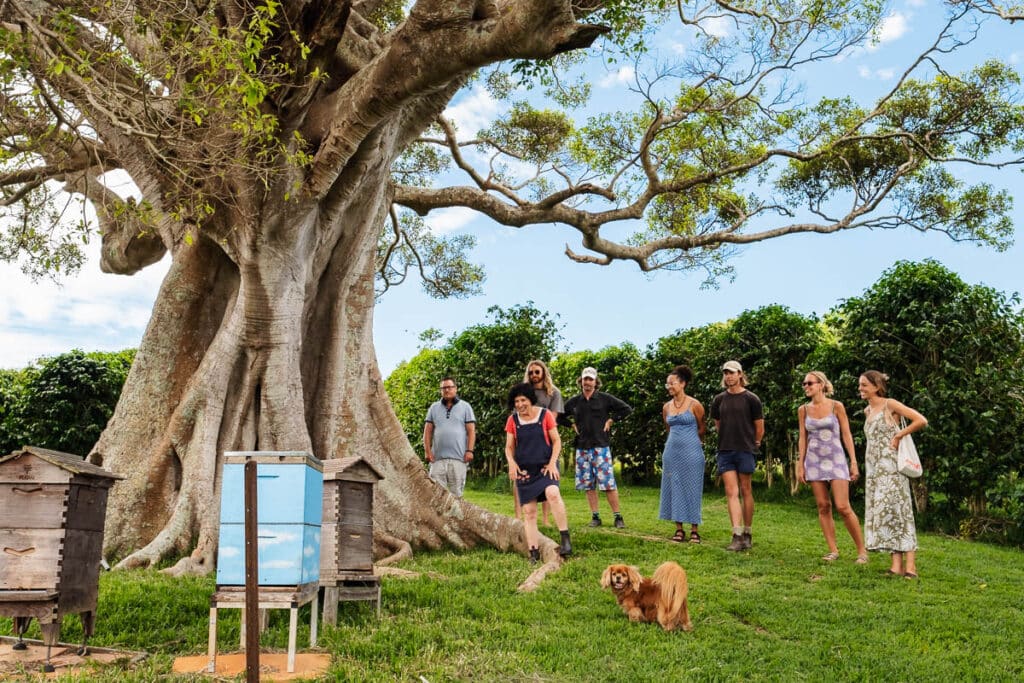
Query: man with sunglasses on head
[(449, 434), (739, 421)]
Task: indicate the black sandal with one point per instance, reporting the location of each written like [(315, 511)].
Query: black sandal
[(694, 537), (679, 536)]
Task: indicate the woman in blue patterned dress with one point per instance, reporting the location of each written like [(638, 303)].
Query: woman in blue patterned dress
[(682, 475), (824, 434), (888, 510)]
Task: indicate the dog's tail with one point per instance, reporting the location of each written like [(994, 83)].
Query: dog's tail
[(671, 580)]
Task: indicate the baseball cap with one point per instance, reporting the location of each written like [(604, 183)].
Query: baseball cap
[(589, 372), (732, 365)]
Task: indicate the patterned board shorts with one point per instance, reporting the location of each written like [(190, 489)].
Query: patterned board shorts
[(594, 469)]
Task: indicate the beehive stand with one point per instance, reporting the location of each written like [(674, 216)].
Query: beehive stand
[(270, 597)]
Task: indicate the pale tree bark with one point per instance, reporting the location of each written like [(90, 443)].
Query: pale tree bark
[(266, 343)]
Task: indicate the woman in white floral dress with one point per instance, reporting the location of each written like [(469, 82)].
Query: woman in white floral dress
[(888, 510)]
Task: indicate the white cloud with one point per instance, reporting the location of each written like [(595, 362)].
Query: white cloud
[(886, 74), (892, 28), (1015, 58), (93, 311), (445, 221), (719, 27), (473, 111), (269, 537), (279, 564), (623, 75)]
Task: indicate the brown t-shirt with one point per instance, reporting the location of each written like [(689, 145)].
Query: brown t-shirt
[(736, 414)]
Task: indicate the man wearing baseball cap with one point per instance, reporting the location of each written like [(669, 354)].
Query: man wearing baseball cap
[(739, 421), (591, 414)]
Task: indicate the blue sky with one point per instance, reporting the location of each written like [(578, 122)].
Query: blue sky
[(597, 306)]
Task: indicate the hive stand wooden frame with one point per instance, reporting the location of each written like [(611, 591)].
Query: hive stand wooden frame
[(270, 597)]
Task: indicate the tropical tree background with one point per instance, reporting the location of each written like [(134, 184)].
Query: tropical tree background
[(283, 153), (953, 350), (61, 402), (485, 359)]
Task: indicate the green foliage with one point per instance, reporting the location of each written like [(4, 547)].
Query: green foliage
[(770, 342), (954, 352), (412, 387), (535, 135), (441, 261), (485, 360), (63, 402)]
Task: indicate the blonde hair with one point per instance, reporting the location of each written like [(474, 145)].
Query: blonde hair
[(743, 379), (826, 386), (548, 385)]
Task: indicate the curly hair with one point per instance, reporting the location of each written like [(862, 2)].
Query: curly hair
[(522, 389)]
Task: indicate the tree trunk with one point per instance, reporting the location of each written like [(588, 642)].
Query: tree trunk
[(268, 346)]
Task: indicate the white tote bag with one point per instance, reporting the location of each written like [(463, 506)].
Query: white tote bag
[(907, 462)]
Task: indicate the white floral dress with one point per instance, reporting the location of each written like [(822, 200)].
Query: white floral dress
[(888, 508)]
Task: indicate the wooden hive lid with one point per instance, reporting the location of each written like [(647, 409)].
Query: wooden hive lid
[(65, 461), (352, 468), (273, 458)]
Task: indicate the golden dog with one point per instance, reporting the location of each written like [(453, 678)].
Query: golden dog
[(661, 598)]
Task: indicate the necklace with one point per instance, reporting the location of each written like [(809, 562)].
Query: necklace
[(679, 406)]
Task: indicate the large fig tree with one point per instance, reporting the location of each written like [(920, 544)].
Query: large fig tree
[(282, 153)]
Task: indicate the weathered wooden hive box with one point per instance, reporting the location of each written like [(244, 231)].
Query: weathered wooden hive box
[(52, 509), (289, 490), (347, 518)]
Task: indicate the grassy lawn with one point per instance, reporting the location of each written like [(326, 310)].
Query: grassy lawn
[(776, 613)]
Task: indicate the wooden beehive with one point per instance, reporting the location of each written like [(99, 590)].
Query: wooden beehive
[(347, 532), (52, 509), (289, 490)]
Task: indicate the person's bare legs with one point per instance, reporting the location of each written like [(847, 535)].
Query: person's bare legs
[(732, 498), (530, 524), (841, 496), (748, 498), (828, 525), (592, 501), (910, 562), (613, 500), (557, 505)]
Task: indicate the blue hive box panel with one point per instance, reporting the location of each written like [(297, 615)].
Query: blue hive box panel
[(289, 493), (289, 554), (289, 488)]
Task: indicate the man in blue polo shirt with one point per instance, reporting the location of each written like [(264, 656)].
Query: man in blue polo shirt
[(449, 433)]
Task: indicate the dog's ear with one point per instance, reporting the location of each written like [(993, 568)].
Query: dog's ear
[(606, 578), (634, 578)]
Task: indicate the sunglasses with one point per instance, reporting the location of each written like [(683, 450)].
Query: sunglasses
[(450, 386), (536, 372), (807, 384)]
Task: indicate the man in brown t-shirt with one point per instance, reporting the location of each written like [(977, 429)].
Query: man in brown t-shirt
[(739, 421)]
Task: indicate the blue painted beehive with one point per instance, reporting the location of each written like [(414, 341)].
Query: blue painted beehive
[(289, 493)]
